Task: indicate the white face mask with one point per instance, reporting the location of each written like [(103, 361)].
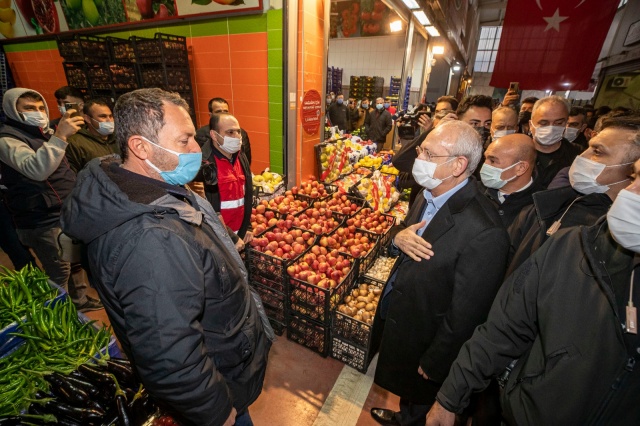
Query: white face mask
[(547, 135), (35, 118), (584, 173), (423, 172), (62, 109), (500, 133), (624, 220), (490, 176), (230, 145), (105, 128), (571, 133)]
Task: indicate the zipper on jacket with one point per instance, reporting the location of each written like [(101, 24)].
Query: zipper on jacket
[(615, 386)]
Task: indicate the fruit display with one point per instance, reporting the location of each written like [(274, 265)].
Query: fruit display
[(310, 189), (340, 203), (334, 161), (90, 13), (262, 218), (285, 204), (389, 169), (381, 268), (317, 220), (349, 240), (399, 211), (7, 19), (361, 303), (268, 181), (372, 15), (372, 221), (379, 191), (370, 162), (343, 184), (281, 243)]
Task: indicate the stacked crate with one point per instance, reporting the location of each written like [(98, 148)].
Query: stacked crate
[(86, 60)]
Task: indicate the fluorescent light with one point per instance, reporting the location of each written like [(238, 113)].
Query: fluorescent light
[(411, 4), (438, 50), (422, 17), (395, 26), (433, 32), (456, 67)]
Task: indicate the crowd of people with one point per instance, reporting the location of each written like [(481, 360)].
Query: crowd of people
[(512, 297)]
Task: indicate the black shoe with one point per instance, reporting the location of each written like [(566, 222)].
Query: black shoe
[(90, 305), (385, 416)]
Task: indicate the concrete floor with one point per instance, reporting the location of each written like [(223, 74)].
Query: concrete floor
[(303, 389)]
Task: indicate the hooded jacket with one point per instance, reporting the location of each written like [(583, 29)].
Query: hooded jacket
[(33, 168), (175, 290)]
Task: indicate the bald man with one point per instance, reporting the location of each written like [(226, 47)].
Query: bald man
[(504, 121), (507, 174)]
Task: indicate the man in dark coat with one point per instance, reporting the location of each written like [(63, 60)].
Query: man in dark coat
[(454, 254), (174, 286), (565, 314), (596, 177), (339, 114), (378, 124)]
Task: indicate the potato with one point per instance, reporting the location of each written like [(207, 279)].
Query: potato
[(369, 307), (360, 305), (361, 299), (358, 317), (377, 291), (363, 287), (348, 299), (366, 316), (364, 292)]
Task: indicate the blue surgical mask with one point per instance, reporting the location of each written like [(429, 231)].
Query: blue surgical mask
[(340, 101), (187, 168), (379, 106), (365, 105), (387, 105)]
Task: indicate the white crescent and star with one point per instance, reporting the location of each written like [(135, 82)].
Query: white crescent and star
[(554, 21)]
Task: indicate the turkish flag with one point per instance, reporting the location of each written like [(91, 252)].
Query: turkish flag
[(552, 44)]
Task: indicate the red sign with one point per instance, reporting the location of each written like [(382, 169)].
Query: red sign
[(310, 112)]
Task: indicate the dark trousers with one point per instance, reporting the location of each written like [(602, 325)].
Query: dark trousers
[(413, 414), (19, 255)]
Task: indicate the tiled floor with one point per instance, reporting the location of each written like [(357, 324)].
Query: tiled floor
[(297, 384)]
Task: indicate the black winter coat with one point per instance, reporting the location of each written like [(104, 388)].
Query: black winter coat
[(175, 290), (378, 124), (436, 304), (559, 315)]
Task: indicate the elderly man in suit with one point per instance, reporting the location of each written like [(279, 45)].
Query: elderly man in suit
[(454, 254)]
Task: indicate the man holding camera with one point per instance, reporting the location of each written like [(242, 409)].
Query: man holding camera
[(38, 179)]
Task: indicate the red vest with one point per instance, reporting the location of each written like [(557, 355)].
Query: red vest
[(231, 183)]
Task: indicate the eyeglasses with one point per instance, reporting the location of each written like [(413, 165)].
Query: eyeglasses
[(420, 150)]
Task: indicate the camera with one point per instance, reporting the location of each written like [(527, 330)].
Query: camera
[(409, 122)]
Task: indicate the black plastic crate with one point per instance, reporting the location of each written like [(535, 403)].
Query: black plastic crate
[(386, 234), (152, 76), (317, 303), (309, 334), (353, 355), (162, 49), (124, 77), (178, 79), (356, 331), (121, 50), (367, 259), (328, 187), (77, 75), (84, 48), (274, 304)]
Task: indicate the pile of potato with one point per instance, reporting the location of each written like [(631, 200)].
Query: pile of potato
[(381, 268), (361, 303)]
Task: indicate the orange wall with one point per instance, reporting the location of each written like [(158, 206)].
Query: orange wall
[(311, 67)]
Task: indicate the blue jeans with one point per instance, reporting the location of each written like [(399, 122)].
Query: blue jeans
[(244, 419)]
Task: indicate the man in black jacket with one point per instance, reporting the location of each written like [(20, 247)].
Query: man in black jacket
[(567, 315), (576, 125), (547, 125), (378, 124), (339, 115), (174, 287), (507, 175), (454, 254), (221, 106), (596, 177)]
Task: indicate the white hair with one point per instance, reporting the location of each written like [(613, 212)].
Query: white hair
[(555, 99), (464, 142)]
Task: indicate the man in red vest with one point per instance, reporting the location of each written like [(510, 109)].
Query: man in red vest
[(227, 175)]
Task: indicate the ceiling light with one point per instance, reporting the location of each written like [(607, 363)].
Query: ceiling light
[(421, 17), (395, 26), (456, 67), (438, 50), (411, 4), (433, 32)]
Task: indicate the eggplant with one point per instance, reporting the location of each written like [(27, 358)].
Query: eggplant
[(123, 373), (95, 374), (11, 421), (124, 417), (88, 387), (67, 390), (81, 415)]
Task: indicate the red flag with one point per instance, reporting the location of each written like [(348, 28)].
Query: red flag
[(552, 44)]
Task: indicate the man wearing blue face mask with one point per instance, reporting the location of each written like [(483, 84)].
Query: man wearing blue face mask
[(378, 124), (38, 179), (96, 139), (173, 284), (547, 125), (338, 114)]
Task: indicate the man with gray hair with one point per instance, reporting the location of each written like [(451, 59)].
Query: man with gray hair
[(454, 252), (504, 121), (172, 282), (548, 122)]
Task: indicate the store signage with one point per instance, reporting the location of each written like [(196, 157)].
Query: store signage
[(310, 111), (33, 18)]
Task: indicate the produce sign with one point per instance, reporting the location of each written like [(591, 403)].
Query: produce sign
[(379, 191), (310, 111)]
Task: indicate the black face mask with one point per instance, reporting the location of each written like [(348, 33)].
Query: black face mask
[(483, 132), (524, 117)]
